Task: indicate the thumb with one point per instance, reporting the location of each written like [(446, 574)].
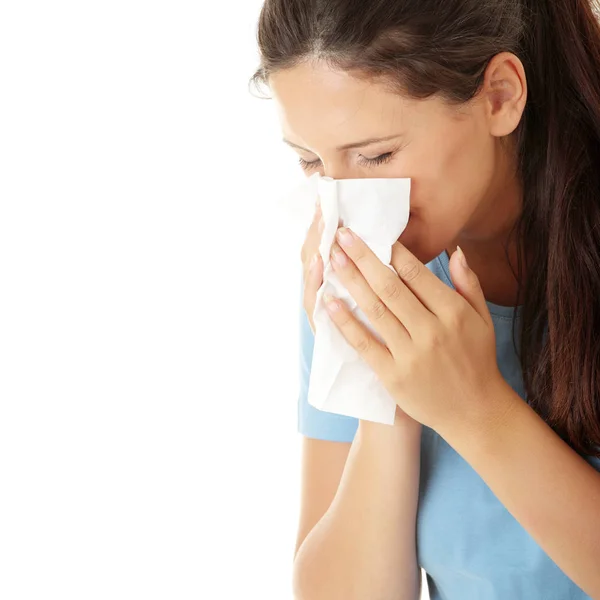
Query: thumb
[(467, 284)]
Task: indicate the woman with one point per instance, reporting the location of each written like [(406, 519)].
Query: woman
[(489, 480)]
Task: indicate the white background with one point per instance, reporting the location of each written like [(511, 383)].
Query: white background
[(149, 297)]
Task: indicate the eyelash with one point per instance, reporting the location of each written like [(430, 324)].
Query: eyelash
[(367, 162)]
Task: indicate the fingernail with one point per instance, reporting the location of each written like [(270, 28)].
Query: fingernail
[(313, 262), (338, 256), (462, 257), (345, 236), (331, 303)]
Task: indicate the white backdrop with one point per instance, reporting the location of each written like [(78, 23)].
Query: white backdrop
[(149, 297)]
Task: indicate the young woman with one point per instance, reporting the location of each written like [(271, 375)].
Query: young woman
[(489, 480)]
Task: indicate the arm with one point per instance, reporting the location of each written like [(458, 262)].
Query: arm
[(322, 467), (547, 487), (364, 547)]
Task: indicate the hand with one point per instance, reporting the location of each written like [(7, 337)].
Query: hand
[(312, 264), (438, 354)]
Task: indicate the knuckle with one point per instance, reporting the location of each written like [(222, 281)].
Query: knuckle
[(364, 344), (474, 283), (344, 323), (377, 309), (435, 339), (391, 290), (456, 318), (409, 367), (307, 256), (358, 253), (409, 271)]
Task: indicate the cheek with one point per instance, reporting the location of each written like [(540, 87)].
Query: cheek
[(455, 176), (450, 179)]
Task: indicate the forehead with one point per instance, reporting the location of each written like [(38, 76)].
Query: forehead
[(317, 105)]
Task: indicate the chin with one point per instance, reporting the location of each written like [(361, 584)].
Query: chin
[(420, 247), (417, 238)]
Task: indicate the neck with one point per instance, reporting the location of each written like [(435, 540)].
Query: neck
[(490, 247), (497, 273)]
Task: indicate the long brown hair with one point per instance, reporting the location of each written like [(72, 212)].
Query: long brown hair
[(426, 47)]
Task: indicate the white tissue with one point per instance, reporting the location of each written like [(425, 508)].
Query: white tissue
[(377, 211)]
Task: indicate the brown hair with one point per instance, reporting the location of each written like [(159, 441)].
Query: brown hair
[(426, 47)]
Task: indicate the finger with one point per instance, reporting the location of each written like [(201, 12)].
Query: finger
[(311, 241), (314, 275), (373, 352), (431, 291), (312, 283), (386, 284), (384, 321), (467, 284)]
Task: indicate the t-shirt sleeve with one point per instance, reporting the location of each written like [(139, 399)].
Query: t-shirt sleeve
[(312, 422)]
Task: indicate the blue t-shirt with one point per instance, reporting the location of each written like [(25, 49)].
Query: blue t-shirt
[(469, 545)]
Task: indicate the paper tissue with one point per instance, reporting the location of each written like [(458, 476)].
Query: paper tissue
[(377, 211)]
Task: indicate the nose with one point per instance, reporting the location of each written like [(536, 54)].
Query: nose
[(338, 170)]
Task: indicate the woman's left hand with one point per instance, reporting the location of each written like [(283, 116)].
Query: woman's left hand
[(438, 355)]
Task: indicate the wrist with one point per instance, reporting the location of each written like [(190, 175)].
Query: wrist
[(404, 427), (501, 402)]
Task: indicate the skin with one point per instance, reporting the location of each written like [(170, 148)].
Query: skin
[(429, 328), (464, 192), (437, 145)]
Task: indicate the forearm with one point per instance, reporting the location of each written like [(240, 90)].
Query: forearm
[(547, 487), (365, 545)]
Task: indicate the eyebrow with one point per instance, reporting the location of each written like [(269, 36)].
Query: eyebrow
[(360, 144)]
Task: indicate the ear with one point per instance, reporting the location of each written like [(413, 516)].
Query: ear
[(504, 92)]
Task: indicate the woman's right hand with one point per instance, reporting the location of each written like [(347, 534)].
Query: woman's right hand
[(313, 278), (312, 265)]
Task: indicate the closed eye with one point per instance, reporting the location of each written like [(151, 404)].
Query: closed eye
[(306, 165), (363, 160)]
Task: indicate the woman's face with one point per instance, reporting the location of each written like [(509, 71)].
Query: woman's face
[(460, 175)]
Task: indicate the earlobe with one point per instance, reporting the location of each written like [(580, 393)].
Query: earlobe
[(505, 89)]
